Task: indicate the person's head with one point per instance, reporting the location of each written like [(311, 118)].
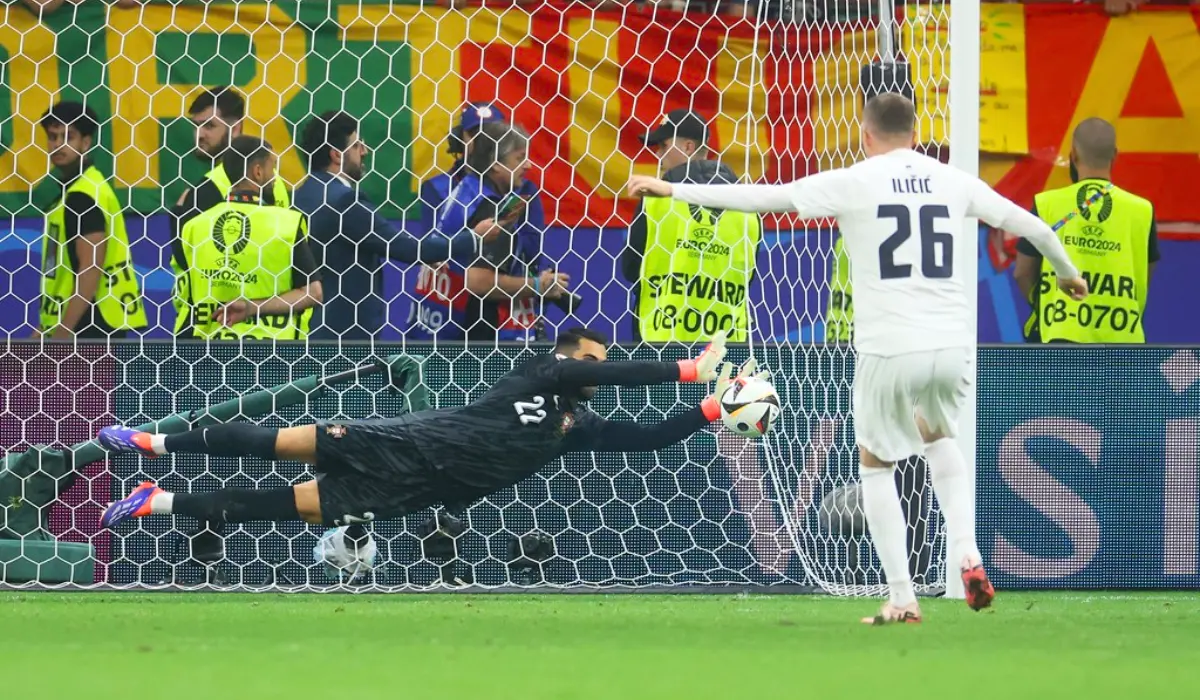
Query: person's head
[(71, 129), (582, 344), (1093, 149), (681, 137), (500, 153), (217, 113), (250, 161), (474, 116), (889, 122), (332, 144)]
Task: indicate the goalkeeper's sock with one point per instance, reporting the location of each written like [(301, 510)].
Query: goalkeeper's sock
[(231, 505), (951, 485), (885, 518), (226, 440)]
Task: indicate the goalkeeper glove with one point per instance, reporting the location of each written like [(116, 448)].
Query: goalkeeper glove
[(725, 378), (704, 367)]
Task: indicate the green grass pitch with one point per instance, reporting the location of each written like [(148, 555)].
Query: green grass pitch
[(576, 647)]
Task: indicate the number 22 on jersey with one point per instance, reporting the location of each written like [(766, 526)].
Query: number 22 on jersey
[(937, 247), (533, 411)]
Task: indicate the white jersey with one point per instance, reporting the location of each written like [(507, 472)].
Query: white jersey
[(902, 217)]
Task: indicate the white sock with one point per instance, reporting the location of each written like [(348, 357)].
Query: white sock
[(951, 485), (161, 503), (158, 443), (889, 531)]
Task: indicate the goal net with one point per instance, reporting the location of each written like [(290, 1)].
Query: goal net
[(780, 85)]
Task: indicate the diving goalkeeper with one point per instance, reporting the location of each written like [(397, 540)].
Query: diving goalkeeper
[(386, 468)]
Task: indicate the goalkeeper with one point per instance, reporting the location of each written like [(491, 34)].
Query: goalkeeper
[(380, 469)]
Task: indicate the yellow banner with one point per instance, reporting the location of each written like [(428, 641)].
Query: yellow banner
[(405, 71), (1002, 91)]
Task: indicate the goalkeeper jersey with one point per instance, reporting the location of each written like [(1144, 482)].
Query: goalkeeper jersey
[(532, 416)]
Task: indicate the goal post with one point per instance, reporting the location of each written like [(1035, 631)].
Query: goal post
[(964, 155), (780, 93)]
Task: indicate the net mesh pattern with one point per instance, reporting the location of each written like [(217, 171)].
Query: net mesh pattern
[(778, 83)]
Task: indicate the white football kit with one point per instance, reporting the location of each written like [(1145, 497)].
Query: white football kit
[(902, 218)]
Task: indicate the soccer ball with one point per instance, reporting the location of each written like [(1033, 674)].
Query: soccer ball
[(340, 560), (750, 406)]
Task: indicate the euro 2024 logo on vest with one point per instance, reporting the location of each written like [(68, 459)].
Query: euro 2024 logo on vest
[(231, 235), (1101, 212), (700, 238)]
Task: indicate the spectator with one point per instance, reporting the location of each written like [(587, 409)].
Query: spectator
[(690, 267), (41, 8), (217, 114), (352, 240), (436, 189), (497, 297), (251, 273), (1110, 234), (89, 288)]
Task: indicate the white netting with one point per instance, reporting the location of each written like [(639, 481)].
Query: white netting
[(780, 88)]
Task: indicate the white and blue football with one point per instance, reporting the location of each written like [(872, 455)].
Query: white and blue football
[(341, 561), (750, 406)]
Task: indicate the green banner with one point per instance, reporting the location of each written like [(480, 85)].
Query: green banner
[(291, 59)]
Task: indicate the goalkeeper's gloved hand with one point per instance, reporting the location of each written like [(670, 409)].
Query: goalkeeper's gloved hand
[(704, 367), (725, 378)]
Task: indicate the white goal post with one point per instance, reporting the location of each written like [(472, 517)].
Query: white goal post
[(964, 129)]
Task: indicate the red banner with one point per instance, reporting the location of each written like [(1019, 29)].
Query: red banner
[(589, 84), (783, 99), (1141, 72)]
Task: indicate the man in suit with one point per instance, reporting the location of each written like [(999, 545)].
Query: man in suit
[(352, 241)]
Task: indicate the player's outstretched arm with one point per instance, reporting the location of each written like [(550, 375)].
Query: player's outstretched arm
[(818, 195), (747, 198), (999, 212), (572, 374), (595, 434)]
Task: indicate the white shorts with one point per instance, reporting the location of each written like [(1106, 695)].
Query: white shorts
[(890, 392)]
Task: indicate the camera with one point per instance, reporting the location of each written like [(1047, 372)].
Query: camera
[(568, 302)]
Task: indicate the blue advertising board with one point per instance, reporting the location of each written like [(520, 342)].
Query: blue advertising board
[(1088, 466)]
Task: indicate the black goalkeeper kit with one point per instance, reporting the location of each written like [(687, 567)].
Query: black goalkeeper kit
[(387, 468)]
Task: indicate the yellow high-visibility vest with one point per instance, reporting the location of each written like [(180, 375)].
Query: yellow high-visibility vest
[(696, 271), (119, 297), (1109, 243), (239, 250)]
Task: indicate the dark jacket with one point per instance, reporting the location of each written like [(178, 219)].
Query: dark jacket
[(435, 191), (444, 309), (696, 172), (351, 241)]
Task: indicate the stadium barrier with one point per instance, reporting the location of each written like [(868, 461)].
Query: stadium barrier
[(1088, 470)]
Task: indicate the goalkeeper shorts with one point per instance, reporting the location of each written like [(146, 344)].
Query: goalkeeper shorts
[(368, 470)]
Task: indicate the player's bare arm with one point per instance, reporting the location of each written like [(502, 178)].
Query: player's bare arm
[(813, 196)]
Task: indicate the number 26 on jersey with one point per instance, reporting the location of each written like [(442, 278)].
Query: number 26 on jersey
[(937, 247)]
